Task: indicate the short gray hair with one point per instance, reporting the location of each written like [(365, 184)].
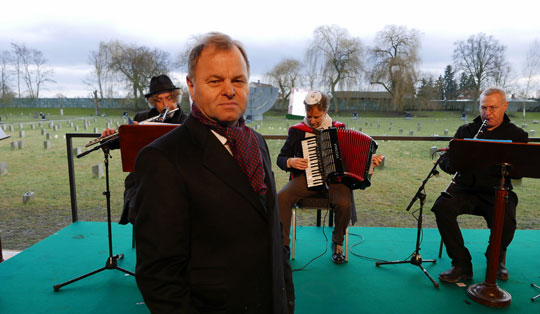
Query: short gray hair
[(219, 41), (493, 90)]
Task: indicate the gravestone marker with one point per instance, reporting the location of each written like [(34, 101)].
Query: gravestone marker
[(411, 132), (531, 132), (77, 151), (21, 133), (381, 165), (20, 144), (98, 171), (27, 197), (46, 144), (48, 136), (3, 168), (42, 131)]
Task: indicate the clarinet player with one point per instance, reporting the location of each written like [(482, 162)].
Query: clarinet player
[(162, 96), (474, 194)]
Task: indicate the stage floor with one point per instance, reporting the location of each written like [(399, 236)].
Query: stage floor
[(27, 279)]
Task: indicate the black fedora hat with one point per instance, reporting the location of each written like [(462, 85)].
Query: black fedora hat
[(159, 84)]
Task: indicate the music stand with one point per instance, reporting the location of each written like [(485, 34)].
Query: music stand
[(133, 137), (416, 258), (507, 159), (111, 262)]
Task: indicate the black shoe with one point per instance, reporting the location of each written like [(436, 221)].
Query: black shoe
[(456, 273), (502, 272), (338, 257)]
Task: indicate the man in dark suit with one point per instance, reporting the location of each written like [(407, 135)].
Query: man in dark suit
[(208, 230), (474, 194), (163, 95)]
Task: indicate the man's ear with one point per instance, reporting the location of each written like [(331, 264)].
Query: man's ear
[(190, 85)]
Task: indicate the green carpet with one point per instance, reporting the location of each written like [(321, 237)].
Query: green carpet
[(27, 280)]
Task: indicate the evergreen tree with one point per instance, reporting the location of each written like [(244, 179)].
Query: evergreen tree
[(466, 85), (438, 88), (450, 87)]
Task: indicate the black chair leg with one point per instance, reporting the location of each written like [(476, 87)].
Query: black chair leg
[(318, 217)]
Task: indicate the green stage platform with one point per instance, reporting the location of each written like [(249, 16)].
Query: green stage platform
[(27, 279)]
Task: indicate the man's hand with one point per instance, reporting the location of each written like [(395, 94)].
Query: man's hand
[(376, 160), (108, 132), (298, 163)]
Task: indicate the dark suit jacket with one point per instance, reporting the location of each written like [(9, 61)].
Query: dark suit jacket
[(205, 240)]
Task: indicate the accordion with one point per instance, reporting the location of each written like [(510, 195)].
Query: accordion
[(339, 156)]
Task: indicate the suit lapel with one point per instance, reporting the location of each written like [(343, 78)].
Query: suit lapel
[(219, 161)]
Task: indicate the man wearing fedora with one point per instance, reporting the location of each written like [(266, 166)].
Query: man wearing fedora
[(162, 95)]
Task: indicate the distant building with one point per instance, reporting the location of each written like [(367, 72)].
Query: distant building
[(362, 100)]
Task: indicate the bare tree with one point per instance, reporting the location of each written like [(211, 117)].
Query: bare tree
[(336, 56), (310, 78), (5, 74), (394, 61), (479, 56), (100, 76), (32, 67), (182, 57), (502, 74), (531, 70), (136, 65), (17, 52), (285, 75)]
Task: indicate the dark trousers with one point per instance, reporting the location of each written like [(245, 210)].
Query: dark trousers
[(296, 189), (474, 203)]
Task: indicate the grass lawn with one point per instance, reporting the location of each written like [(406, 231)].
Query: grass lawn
[(44, 172)]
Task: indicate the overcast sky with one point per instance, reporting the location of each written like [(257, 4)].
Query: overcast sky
[(66, 31)]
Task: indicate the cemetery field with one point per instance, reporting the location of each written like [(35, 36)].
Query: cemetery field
[(44, 172)]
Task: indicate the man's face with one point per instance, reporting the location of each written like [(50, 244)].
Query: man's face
[(314, 116), (220, 85), (165, 100), (492, 108)]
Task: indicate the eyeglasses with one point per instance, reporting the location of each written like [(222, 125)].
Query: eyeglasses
[(161, 99)]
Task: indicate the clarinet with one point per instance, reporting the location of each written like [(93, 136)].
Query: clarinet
[(448, 192)]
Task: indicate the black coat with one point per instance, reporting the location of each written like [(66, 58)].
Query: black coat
[(206, 242), (485, 181)]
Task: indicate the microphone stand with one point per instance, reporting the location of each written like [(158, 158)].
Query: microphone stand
[(111, 262), (416, 258)]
